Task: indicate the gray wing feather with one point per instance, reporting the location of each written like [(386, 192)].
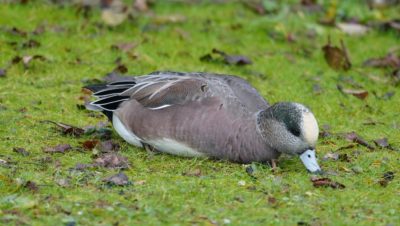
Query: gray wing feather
[(171, 88)]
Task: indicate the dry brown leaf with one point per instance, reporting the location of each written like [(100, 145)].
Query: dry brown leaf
[(89, 144), (31, 186), (193, 173), (387, 177), (114, 12), (337, 58), (360, 94), (21, 151), (112, 160), (331, 155), (67, 129), (31, 44), (3, 73), (141, 5), (229, 59), (382, 143), (125, 46), (108, 146), (61, 148), (326, 182), (391, 60), (119, 179), (354, 137)]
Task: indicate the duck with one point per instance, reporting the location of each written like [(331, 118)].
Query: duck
[(199, 114)]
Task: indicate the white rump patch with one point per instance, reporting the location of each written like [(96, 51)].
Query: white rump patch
[(175, 148), (127, 135), (310, 128)]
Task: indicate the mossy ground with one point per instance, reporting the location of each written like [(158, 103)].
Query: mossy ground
[(281, 71)]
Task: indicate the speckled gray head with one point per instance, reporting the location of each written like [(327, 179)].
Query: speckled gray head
[(291, 128)]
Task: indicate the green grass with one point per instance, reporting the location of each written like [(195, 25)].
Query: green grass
[(50, 90)]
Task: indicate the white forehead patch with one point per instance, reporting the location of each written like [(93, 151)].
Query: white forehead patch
[(310, 128)]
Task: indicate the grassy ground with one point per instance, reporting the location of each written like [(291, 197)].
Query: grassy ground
[(220, 192)]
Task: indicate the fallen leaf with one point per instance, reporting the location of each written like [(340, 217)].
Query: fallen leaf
[(252, 170), (21, 151), (115, 13), (229, 59), (233, 59), (337, 58), (31, 186), (326, 182), (61, 148), (388, 95), (4, 162), (387, 177), (3, 73), (193, 173), (255, 6), (302, 223), (350, 146), (141, 5), (381, 4), (325, 131), (63, 182), (112, 160), (121, 68), (140, 182), (89, 144), (17, 31), (16, 60), (391, 60), (357, 169), (67, 129), (125, 46), (330, 155), (353, 28), (360, 94), (81, 167), (108, 146), (40, 29), (100, 131), (382, 143), (119, 179), (206, 58), (272, 200), (344, 157), (311, 5), (31, 44), (354, 137), (27, 59)]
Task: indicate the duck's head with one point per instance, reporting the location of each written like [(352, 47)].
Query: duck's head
[(291, 128)]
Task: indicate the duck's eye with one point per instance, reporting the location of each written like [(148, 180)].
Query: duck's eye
[(309, 156)]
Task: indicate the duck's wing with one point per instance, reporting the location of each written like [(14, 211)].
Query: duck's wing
[(244, 92), (162, 89), (156, 90)]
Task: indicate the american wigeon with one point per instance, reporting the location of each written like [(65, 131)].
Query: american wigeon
[(202, 114)]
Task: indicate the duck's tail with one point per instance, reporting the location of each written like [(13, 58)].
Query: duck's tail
[(109, 96)]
